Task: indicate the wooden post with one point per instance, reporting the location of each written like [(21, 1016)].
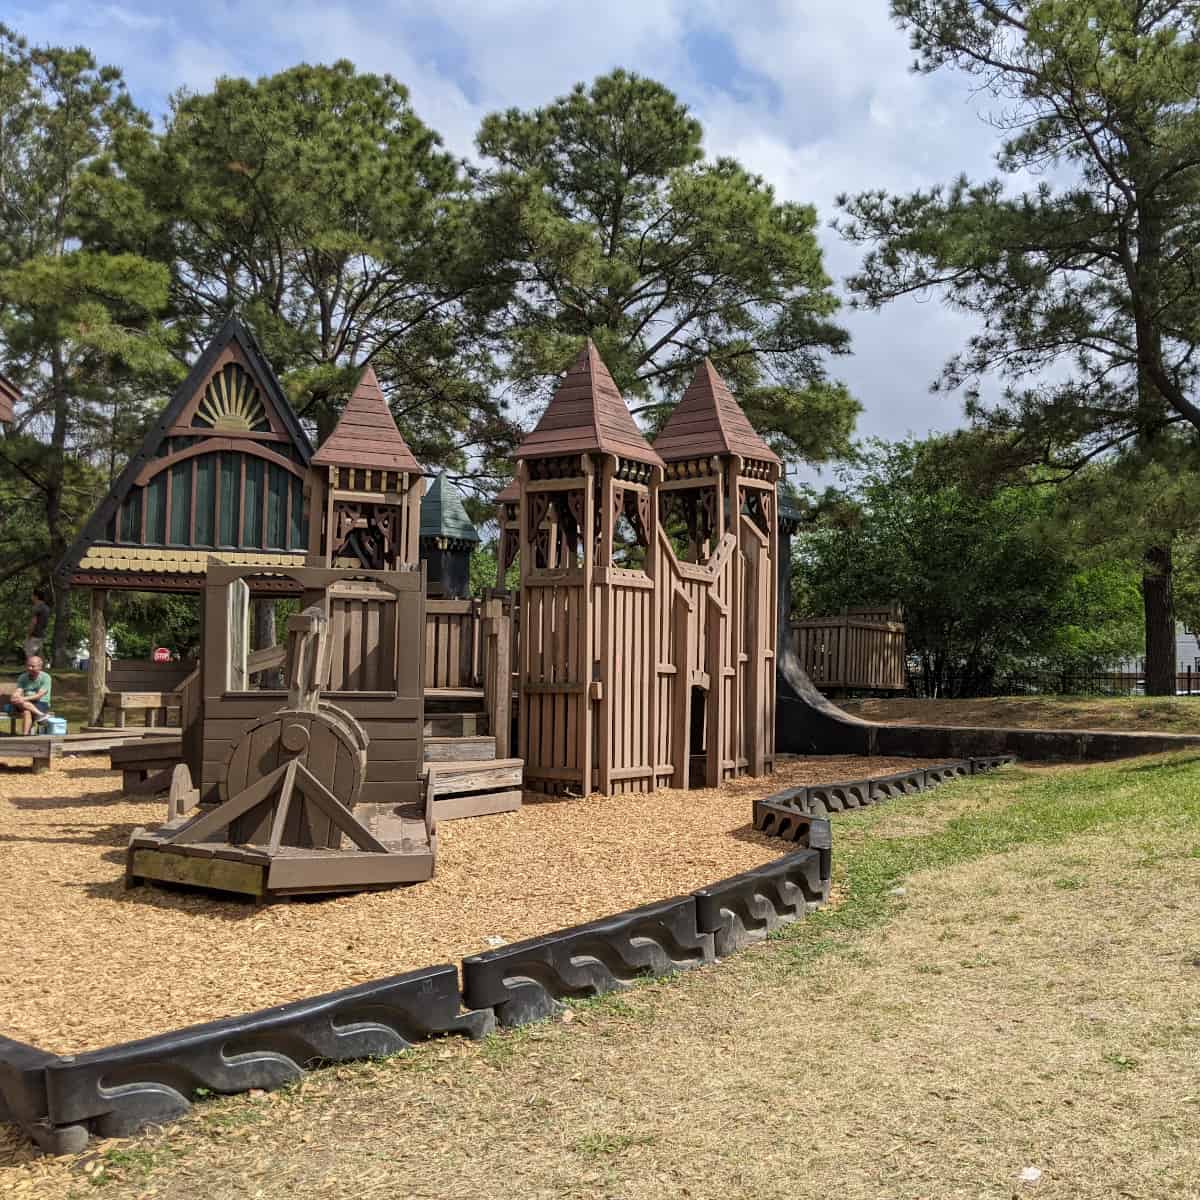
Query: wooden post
[(755, 706), (97, 655), (605, 651), (718, 634), (525, 557), (603, 707), (681, 615), (498, 673)]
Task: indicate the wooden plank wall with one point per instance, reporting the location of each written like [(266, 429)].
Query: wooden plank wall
[(700, 640), (555, 678), (656, 635), (847, 652), (376, 676), (452, 645), (629, 701)]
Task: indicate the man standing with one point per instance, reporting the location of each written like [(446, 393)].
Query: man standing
[(31, 697), (37, 626)]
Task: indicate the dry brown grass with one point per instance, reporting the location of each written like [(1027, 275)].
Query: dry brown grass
[(86, 963), (1036, 1008), (1153, 714)]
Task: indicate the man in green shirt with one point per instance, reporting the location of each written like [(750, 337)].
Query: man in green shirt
[(31, 697)]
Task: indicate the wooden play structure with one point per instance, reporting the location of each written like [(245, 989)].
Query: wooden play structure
[(322, 792), (647, 597), (637, 653), (332, 778)]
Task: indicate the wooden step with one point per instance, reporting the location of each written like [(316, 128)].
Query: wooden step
[(459, 749), (460, 698), (474, 789), (456, 724)]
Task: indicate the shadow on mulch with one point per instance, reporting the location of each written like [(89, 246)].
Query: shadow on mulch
[(53, 803), (114, 836), (747, 833), (224, 906), (536, 799)]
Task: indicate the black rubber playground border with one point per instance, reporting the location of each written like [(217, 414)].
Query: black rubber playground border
[(62, 1100)]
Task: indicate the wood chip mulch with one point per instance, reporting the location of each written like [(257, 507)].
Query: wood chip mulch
[(88, 964)]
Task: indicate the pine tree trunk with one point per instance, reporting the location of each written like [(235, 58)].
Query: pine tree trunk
[(264, 637), (1159, 601), (55, 475)]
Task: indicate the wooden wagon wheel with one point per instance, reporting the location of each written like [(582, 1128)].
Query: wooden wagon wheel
[(329, 742)]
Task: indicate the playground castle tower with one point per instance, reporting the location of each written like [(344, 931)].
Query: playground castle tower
[(638, 668), (366, 488)]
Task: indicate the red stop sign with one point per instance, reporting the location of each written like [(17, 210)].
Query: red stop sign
[(162, 654)]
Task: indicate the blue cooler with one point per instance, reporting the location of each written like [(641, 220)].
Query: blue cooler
[(55, 726)]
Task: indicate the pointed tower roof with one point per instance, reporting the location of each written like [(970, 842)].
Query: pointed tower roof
[(366, 434), (708, 420), (588, 414), (9, 395), (443, 514), (509, 493)]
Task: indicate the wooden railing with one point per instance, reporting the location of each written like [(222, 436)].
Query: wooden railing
[(851, 652), (469, 645), (495, 647), (452, 644)]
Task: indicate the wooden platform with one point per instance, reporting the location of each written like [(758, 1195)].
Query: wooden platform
[(43, 749), (146, 764), (289, 871), (475, 788)]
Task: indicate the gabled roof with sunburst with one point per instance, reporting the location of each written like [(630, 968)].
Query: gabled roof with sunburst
[(177, 492)]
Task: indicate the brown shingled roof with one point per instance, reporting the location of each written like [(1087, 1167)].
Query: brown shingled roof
[(9, 395), (366, 434), (510, 493), (708, 420), (588, 414)]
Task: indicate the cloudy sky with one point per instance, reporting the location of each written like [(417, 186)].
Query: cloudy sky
[(815, 95)]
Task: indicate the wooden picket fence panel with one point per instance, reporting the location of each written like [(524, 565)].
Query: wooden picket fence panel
[(452, 645), (851, 652)]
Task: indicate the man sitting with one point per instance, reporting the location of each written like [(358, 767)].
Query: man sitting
[(31, 697)]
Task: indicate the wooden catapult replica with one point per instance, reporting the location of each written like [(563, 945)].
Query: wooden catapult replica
[(639, 649)]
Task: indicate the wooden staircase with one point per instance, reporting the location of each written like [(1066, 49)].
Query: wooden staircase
[(466, 771)]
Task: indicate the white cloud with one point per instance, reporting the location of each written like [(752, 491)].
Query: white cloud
[(816, 96)]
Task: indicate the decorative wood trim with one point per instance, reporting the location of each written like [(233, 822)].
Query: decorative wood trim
[(211, 446)]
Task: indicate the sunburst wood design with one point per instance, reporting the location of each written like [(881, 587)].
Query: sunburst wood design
[(231, 403)]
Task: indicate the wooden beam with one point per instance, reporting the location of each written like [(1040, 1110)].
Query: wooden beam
[(97, 654)]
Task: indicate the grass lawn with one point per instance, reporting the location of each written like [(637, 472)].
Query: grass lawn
[(1160, 714), (1003, 1001)]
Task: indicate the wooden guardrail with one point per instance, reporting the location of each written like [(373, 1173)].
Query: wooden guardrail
[(852, 652)]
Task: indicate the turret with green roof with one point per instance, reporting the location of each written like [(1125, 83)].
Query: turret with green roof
[(447, 540)]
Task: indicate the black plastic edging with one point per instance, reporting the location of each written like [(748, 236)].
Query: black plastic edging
[(526, 981), (61, 1100)]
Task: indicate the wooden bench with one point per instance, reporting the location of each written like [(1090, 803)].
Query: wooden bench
[(42, 752), (146, 766), (151, 688)]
